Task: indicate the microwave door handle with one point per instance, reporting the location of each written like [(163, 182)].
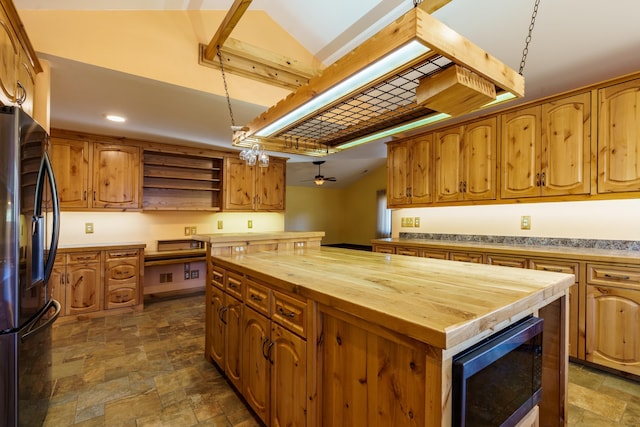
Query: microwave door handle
[(46, 170)]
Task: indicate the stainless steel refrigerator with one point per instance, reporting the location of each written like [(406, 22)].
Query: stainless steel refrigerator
[(28, 243)]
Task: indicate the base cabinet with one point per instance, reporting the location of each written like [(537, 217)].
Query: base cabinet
[(93, 282), (613, 317), (76, 280)]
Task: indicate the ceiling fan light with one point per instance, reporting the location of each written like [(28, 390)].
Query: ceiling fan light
[(319, 181)]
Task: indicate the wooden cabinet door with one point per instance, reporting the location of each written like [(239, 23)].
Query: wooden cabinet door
[(233, 341), (613, 327), (70, 161), (216, 327), (256, 366), (420, 174), (397, 174), (479, 155), (26, 83), (566, 146), (449, 164), (619, 138), (83, 288), (270, 186), (116, 176), (239, 185), (9, 58), (288, 378), (520, 153)]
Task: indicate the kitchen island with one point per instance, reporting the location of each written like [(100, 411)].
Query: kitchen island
[(332, 336)]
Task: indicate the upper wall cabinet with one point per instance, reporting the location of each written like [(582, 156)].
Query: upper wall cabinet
[(619, 138), (409, 171), (96, 175), (465, 162), (17, 71), (252, 188), (546, 149)]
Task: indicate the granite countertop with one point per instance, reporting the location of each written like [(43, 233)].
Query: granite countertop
[(557, 250), (441, 303)]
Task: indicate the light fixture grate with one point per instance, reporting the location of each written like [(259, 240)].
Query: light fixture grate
[(390, 102)]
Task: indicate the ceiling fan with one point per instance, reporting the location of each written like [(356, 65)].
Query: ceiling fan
[(320, 179)]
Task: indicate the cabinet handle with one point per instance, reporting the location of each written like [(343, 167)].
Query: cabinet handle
[(122, 255), (255, 298), (555, 270), (264, 351), (68, 278), (84, 195), (290, 314), (538, 180), (221, 312), (94, 196), (233, 286), (409, 192), (542, 179), (23, 94), (269, 348), (83, 258), (617, 276)]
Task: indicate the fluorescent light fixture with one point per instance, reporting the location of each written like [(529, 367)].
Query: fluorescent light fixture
[(115, 118), (392, 131), (505, 96), (378, 69)]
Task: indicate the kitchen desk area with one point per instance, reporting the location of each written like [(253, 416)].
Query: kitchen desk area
[(316, 334)]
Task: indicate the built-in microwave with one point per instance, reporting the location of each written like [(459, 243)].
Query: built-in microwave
[(499, 380)]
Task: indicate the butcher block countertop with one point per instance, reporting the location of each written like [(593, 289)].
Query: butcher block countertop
[(216, 238), (441, 303)]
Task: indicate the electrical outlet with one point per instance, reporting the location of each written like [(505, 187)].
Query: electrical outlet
[(416, 221), (88, 227), (195, 274), (187, 272), (410, 222), (219, 224), (249, 224), (187, 231), (525, 223), (403, 222), (194, 230)]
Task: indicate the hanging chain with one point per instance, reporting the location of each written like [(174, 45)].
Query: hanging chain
[(525, 51), (226, 88), (416, 3)]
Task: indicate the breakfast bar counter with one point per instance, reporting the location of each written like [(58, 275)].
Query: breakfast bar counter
[(377, 332)]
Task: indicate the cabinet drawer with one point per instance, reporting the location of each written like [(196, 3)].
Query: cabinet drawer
[(429, 253), (118, 271), (257, 297), (289, 312), (466, 257), (120, 296), (233, 284), (385, 249), (614, 275), (556, 266), (217, 277), (122, 254), (408, 251), (507, 261), (81, 257)]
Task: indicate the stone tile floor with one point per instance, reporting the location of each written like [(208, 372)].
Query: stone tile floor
[(148, 369)]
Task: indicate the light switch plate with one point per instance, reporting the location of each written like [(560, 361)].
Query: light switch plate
[(187, 231), (194, 230), (88, 227), (525, 223), (219, 224)]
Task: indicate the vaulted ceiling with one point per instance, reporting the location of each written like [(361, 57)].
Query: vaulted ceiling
[(139, 58)]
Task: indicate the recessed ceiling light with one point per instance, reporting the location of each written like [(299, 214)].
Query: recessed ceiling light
[(115, 118)]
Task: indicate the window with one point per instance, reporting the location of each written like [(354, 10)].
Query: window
[(383, 215)]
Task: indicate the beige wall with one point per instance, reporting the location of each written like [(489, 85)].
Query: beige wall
[(149, 227), (345, 215), (611, 219)]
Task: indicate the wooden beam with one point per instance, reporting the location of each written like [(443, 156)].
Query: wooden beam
[(258, 64), (228, 24), (431, 6)]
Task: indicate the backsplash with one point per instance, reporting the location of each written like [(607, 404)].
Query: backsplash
[(623, 245)]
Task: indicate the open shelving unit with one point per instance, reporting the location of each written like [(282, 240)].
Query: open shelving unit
[(177, 181)]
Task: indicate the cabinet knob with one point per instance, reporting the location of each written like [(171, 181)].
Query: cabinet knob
[(23, 94)]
